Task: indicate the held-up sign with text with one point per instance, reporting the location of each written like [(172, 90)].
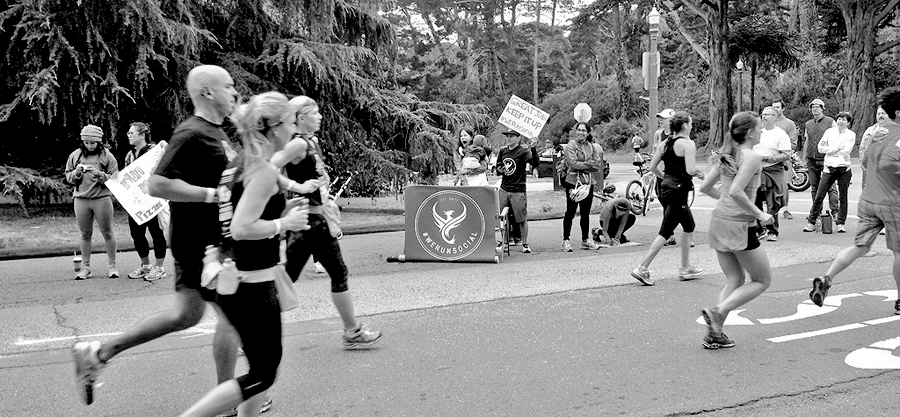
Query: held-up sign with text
[(523, 117), (130, 186)]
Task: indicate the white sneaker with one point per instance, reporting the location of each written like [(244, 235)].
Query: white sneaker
[(87, 368), (566, 246), (156, 273), (319, 268)]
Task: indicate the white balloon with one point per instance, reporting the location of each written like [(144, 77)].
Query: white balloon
[(582, 113)]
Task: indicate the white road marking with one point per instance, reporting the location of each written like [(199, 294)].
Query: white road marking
[(889, 295), (877, 356), (815, 333), (805, 310), (198, 330)]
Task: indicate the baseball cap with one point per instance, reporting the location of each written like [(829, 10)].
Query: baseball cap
[(667, 113), (92, 131), (817, 101), (510, 131), (622, 205)]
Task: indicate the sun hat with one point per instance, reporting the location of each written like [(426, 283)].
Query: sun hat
[(665, 114), (92, 131)]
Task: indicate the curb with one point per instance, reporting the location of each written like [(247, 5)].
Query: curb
[(128, 245)]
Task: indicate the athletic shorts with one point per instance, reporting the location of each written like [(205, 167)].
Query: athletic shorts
[(874, 217), (517, 203), (732, 235)]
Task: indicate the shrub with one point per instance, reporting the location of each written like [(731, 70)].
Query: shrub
[(615, 134), (26, 186)]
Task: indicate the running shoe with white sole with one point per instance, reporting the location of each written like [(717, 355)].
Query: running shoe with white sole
[(319, 268), (643, 275), (691, 272), (87, 368), (140, 272), (360, 338), (84, 273), (156, 273), (112, 272), (566, 246), (717, 341)]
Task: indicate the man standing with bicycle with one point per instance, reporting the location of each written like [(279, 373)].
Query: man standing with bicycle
[(775, 148)]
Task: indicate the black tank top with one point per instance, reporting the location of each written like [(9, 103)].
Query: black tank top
[(309, 168), (248, 255), (675, 169)]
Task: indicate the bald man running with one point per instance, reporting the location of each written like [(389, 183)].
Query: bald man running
[(187, 176)]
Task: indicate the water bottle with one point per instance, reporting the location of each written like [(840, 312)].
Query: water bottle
[(229, 278), (76, 260), (211, 268), (826, 223)]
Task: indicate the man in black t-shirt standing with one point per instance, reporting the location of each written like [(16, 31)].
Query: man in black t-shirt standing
[(511, 161), (187, 176)]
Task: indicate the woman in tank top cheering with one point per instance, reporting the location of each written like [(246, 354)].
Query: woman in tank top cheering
[(678, 155)]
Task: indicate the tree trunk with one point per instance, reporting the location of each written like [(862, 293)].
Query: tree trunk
[(537, 38), (794, 20), (553, 16), (721, 104), (859, 90), (621, 77), (753, 67), (808, 24)]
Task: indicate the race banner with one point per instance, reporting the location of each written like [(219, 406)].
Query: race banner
[(450, 224), (130, 186), (523, 117)]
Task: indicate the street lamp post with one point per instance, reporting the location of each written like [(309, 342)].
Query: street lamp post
[(653, 76), (740, 86)]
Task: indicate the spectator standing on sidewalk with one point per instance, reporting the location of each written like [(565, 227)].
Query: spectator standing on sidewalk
[(815, 160), (139, 137), (678, 154), (836, 144), (879, 204), (790, 128), (732, 226), (512, 160), (88, 168), (583, 159), (775, 148)]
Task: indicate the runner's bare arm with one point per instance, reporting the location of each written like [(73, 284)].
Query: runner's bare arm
[(177, 190)]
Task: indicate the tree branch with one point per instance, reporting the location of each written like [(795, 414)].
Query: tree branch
[(693, 7), (887, 46), (886, 12), (700, 49)]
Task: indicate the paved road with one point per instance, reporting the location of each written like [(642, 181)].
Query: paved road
[(543, 334)]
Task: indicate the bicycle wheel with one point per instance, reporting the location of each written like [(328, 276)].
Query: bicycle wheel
[(634, 193), (691, 197)]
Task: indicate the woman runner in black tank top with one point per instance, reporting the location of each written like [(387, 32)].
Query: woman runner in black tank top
[(303, 164), (674, 189), (252, 215)]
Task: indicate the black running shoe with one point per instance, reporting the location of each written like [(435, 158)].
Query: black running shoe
[(820, 290), (717, 341), (897, 307)]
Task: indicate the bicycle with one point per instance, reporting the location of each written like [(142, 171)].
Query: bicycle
[(642, 191)]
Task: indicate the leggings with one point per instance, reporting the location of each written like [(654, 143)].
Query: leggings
[(571, 206), (139, 234), (88, 209), (254, 312), (319, 242)]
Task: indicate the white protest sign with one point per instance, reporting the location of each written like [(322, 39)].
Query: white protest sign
[(523, 117), (130, 186)]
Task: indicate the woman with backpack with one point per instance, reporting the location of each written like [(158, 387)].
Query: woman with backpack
[(88, 168), (582, 158)]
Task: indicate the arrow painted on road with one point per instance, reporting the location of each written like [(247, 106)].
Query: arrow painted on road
[(877, 356), (805, 310)]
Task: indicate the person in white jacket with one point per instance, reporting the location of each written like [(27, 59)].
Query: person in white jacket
[(836, 144)]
